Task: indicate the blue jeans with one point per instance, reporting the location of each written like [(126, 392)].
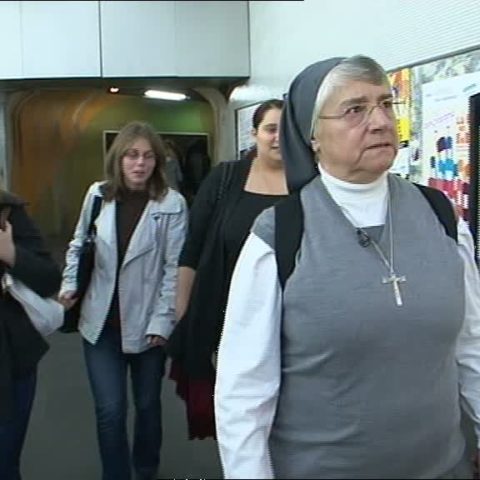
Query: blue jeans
[(12, 433), (107, 368)]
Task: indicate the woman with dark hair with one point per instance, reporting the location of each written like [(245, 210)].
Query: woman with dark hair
[(128, 310), (24, 257), (228, 201)]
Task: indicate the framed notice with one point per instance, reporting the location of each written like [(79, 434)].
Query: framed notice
[(243, 129)]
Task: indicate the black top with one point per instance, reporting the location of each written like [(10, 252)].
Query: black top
[(207, 212), (21, 346), (237, 227), (197, 334), (128, 212)]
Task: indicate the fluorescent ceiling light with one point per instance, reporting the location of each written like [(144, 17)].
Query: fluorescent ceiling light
[(160, 94)]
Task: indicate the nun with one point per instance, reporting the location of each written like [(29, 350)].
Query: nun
[(358, 366)]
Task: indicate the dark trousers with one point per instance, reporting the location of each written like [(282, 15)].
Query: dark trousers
[(12, 432), (107, 368)]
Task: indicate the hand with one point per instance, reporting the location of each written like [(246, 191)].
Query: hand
[(67, 299), (7, 247), (156, 340)]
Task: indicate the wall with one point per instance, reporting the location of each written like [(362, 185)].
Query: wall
[(51, 39), (58, 144), (287, 36)]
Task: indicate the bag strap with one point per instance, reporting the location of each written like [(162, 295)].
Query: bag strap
[(97, 204), (288, 234), (443, 209)]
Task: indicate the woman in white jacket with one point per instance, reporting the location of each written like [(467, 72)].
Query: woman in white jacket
[(128, 310)]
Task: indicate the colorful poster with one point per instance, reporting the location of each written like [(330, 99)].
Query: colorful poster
[(444, 68), (446, 135), (400, 82)]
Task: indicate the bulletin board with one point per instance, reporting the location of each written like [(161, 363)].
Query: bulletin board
[(401, 86), (243, 129), (440, 141)]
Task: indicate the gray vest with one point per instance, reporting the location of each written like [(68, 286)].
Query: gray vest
[(368, 389)]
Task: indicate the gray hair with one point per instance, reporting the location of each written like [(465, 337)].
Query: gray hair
[(356, 68)]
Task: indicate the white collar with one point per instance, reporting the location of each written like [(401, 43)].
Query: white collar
[(365, 204)]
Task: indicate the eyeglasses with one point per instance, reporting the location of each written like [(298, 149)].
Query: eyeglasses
[(357, 114), (134, 154)]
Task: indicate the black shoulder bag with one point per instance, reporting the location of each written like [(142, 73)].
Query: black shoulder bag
[(86, 261)]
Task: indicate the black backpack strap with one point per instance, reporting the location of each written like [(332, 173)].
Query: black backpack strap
[(289, 226), (288, 234), (97, 205), (442, 207)]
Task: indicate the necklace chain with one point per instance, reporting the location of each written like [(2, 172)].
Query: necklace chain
[(392, 278), (388, 264)]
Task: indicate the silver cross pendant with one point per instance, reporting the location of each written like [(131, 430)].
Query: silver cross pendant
[(395, 279)]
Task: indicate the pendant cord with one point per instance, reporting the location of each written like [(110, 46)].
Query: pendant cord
[(392, 278), (388, 264)]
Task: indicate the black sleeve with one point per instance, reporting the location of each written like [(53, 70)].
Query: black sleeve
[(33, 264), (201, 212)]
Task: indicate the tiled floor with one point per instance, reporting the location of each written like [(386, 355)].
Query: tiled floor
[(61, 442)]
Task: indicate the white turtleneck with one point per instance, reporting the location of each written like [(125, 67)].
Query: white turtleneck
[(249, 357), (364, 204)]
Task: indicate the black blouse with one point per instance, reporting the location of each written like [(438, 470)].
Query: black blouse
[(128, 212), (237, 227), (217, 230)]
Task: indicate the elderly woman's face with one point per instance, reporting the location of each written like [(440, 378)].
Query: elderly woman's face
[(362, 143)]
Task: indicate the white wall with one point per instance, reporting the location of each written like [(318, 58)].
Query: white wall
[(10, 40), (212, 38), (287, 36), (60, 39), (174, 38)]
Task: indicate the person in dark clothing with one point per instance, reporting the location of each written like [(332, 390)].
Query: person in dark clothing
[(128, 310), (196, 167), (226, 205), (173, 169), (24, 257)]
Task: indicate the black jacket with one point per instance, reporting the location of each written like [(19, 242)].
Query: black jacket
[(21, 346), (196, 336)]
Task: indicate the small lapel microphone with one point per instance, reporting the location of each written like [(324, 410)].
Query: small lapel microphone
[(362, 238)]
